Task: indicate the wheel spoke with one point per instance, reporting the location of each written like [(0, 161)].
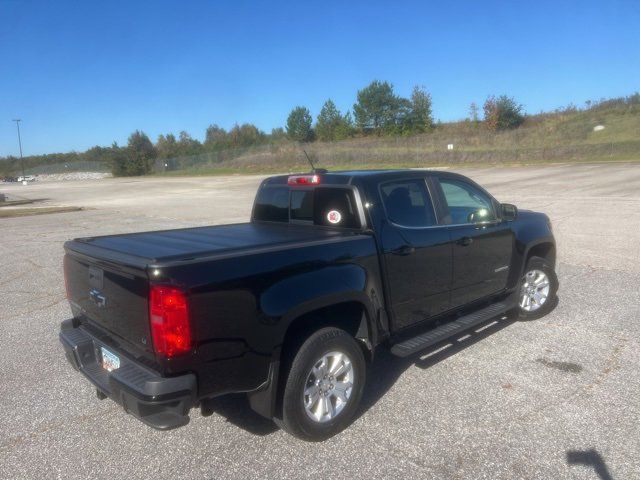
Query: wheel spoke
[(344, 367), (336, 363), (328, 407), (320, 370), (340, 390), (312, 394), (320, 411)]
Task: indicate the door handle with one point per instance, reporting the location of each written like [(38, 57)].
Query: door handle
[(403, 250), (465, 241)]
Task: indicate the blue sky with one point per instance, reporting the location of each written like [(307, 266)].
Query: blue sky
[(89, 73)]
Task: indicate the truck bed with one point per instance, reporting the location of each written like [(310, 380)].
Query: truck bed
[(108, 277), (161, 247)]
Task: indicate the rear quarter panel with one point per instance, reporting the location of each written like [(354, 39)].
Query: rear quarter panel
[(241, 306)]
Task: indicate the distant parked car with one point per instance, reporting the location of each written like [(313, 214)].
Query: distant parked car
[(27, 178), (9, 179)]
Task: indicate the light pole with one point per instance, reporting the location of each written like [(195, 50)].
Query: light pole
[(18, 120)]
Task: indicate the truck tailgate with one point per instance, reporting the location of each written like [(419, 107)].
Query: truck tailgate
[(110, 296)]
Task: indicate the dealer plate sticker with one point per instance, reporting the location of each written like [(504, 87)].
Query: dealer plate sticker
[(110, 361)]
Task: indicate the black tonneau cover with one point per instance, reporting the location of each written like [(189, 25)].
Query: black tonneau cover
[(138, 249)]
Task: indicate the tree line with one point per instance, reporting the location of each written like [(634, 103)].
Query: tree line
[(378, 111)]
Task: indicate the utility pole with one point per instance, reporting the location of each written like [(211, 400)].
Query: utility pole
[(18, 120)]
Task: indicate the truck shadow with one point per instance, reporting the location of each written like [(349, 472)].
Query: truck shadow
[(388, 368), (236, 410), (382, 375)]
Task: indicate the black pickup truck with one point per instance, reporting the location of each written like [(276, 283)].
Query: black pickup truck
[(290, 307)]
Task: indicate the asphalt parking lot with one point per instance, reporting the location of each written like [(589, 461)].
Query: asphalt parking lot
[(557, 397)]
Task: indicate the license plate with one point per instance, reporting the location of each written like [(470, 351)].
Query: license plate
[(110, 361)]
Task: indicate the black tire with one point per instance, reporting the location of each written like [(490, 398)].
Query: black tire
[(539, 263), (295, 419)]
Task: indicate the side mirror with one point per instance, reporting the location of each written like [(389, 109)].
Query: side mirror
[(508, 212)]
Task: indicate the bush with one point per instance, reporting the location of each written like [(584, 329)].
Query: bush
[(502, 113), (136, 159)]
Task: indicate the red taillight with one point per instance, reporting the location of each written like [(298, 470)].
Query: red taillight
[(169, 317), (304, 180)]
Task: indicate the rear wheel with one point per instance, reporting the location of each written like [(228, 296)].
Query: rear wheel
[(324, 385), (538, 289)]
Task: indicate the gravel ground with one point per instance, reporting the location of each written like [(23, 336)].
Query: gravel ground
[(552, 398), (58, 177)]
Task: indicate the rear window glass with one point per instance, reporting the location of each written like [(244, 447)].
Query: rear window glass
[(326, 206), (302, 205), (272, 204)]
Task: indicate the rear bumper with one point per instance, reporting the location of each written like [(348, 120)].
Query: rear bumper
[(160, 402)]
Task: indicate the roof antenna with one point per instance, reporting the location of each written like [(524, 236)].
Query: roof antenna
[(313, 169)]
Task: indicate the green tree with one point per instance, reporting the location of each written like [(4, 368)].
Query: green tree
[(378, 108), (345, 128), (136, 159), (474, 116), (278, 134), (245, 135), (420, 118), (167, 146), (331, 124), (502, 113), (299, 125), (215, 138), (188, 146)]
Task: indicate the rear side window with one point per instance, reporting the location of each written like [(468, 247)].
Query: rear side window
[(335, 207), (408, 203), (326, 206)]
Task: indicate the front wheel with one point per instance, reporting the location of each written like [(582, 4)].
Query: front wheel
[(324, 386), (538, 289)]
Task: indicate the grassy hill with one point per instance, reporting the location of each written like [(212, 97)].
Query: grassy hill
[(562, 136), (565, 135)]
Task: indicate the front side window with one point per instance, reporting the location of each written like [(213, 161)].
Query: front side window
[(407, 203), (466, 203)]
